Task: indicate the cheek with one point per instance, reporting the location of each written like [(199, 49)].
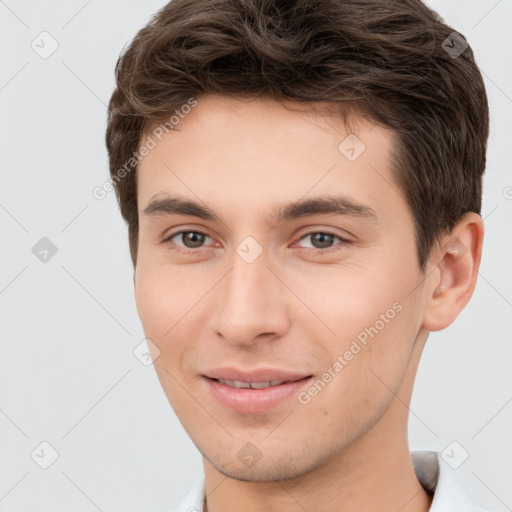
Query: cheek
[(171, 306), (162, 292), (154, 304), (386, 342), (346, 300), (160, 306), (366, 316), (367, 373)]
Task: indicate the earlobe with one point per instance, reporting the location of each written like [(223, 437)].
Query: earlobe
[(453, 284)]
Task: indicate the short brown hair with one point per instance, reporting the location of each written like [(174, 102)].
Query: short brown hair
[(393, 60)]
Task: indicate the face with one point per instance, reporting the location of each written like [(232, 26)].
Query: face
[(298, 258)]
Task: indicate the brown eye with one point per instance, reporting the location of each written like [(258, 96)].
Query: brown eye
[(192, 239), (189, 239), (322, 240)]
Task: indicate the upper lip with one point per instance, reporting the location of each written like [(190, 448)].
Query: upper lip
[(258, 375)]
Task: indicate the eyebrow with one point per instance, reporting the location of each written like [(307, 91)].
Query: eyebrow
[(339, 205)]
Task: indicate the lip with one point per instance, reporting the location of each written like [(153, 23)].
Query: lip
[(257, 375), (254, 401)]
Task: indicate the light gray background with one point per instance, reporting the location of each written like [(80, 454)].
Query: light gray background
[(69, 326)]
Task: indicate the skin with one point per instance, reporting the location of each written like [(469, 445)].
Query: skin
[(296, 307)]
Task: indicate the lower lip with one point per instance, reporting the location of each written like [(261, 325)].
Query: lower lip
[(254, 400)]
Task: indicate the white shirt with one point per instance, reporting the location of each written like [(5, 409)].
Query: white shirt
[(432, 472)]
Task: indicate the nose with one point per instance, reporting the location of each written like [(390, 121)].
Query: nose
[(251, 303)]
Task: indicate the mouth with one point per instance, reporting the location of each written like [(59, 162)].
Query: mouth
[(254, 397), (238, 384)]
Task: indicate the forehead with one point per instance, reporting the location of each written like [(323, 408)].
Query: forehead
[(261, 150)]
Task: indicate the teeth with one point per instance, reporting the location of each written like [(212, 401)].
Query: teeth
[(250, 385)]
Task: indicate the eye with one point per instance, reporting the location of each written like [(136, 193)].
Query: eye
[(189, 239), (322, 240)]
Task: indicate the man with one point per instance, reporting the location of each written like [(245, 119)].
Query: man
[(302, 187)]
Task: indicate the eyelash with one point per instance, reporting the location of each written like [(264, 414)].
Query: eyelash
[(185, 250)]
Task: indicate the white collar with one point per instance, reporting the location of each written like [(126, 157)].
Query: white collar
[(432, 472), (438, 478)]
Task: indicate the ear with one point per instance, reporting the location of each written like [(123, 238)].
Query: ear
[(453, 277)]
